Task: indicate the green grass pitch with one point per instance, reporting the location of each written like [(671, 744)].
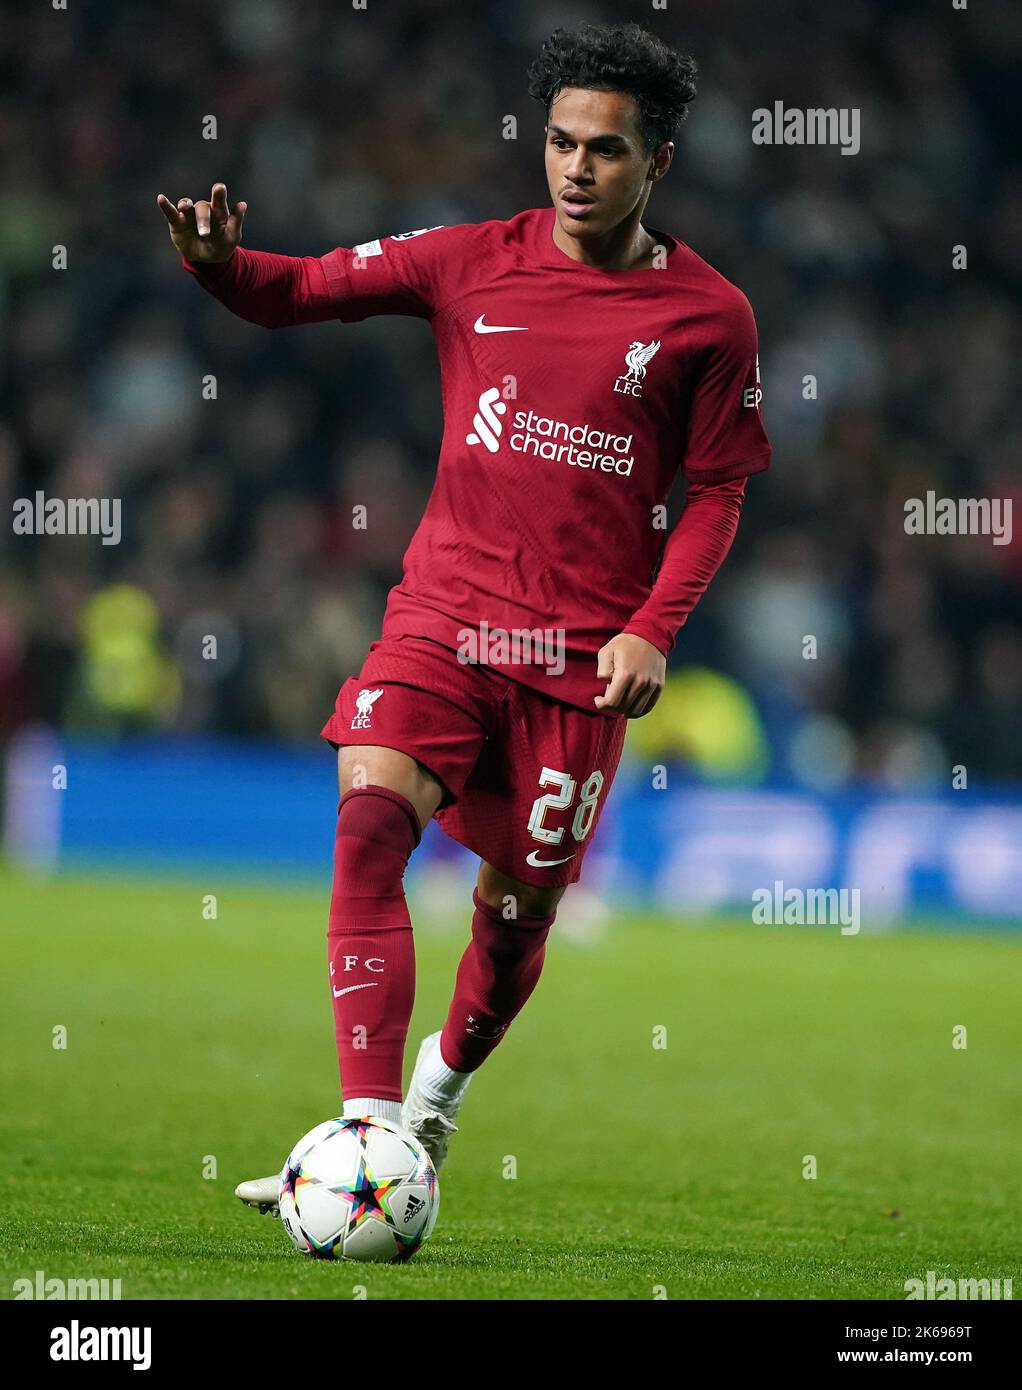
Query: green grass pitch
[(638, 1168)]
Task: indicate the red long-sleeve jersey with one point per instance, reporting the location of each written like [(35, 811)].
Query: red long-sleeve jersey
[(572, 398)]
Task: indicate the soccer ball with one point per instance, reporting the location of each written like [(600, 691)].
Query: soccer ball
[(359, 1190)]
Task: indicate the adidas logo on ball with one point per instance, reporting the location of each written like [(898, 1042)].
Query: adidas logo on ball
[(415, 1205)]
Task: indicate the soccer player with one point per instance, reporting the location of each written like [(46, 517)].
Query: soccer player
[(585, 359)]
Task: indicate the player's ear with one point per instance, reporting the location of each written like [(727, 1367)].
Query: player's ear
[(661, 161)]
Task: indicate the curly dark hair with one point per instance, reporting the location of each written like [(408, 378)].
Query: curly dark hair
[(619, 58)]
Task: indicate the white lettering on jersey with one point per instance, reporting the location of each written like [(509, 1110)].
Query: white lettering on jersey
[(752, 395)]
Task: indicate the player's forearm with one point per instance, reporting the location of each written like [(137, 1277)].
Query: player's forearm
[(270, 290), (694, 552)]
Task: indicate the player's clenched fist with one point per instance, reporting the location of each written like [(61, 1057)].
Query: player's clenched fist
[(636, 671), (204, 231)]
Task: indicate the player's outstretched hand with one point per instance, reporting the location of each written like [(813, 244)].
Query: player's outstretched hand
[(204, 232), (636, 672)]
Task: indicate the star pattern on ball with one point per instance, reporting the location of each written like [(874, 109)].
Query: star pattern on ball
[(367, 1196), (290, 1178)]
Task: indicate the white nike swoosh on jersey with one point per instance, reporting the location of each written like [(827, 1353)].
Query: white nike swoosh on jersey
[(371, 985), (481, 327), (545, 863)]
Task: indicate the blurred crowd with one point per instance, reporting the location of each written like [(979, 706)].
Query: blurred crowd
[(338, 125)]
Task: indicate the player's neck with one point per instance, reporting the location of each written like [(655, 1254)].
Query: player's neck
[(628, 246)]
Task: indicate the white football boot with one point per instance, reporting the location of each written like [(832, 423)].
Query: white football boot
[(262, 1193), (430, 1123)]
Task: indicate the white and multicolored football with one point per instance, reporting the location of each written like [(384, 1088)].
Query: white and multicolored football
[(359, 1189)]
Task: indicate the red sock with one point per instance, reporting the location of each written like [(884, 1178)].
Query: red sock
[(370, 946), (498, 972)]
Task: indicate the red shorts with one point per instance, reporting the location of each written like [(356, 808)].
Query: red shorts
[(525, 777)]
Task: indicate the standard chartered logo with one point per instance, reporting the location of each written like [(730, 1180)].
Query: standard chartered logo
[(485, 422), (580, 446)]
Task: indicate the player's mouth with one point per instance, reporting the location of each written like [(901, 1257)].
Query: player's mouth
[(577, 204)]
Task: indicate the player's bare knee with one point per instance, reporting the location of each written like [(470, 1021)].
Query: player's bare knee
[(497, 888), (359, 766)]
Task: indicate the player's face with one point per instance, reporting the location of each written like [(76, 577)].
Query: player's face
[(597, 167)]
